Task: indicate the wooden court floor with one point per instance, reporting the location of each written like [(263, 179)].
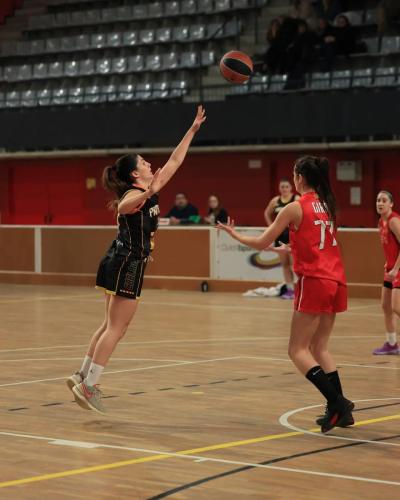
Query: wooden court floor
[(202, 402)]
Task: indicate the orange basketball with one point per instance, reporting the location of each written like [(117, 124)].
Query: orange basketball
[(236, 67)]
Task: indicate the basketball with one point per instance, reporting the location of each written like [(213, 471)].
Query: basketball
[(236, 67)]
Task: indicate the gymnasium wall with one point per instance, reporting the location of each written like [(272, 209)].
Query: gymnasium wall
[(68, 190), (7, 7)]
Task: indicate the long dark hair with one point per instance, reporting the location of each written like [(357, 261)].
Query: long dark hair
[(315, 171), (117, 178)]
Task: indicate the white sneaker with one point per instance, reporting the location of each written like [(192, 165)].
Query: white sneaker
[(74, 380)]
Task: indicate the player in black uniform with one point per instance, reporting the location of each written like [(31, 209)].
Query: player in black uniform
[(121, 271), (277, 203)]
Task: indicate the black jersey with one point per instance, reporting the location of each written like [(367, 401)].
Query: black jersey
[(136, 230), (281, 204)]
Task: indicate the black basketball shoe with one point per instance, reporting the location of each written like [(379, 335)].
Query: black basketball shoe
[(338, 415)]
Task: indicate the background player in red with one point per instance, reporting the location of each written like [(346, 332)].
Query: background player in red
[(321, 289), (389, 228)]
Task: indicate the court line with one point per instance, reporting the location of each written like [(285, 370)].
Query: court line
[(284, 421), (186, 341), (183, 363), (220, 446), (80, 359)]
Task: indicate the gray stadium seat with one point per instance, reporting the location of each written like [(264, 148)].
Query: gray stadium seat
[(92, 16), (119, 65), (44, 97), (146, 36), (180, 33), (161, 90), (197, 32), (170, 60), (71, 68), (28, 98), (103, 66), (56, 69), (258, 84), (153, 62), (390, 44), (11, 73), (140, 11), (215, 30), (22, 48), (40, 70), (110, 92), (188, 7), (189, 60), (277, 83), (99, 40), (93, 94), (25, 72), (2, 99), (372, 45), (129, 38), (370, 17), (126, 92), (341, 79), (136, 63), (385, 77), (124, 13), (13, 99), (8, 48), (53, 44), (205, 6), (60, 19), (143, 91), (240, 4), (87, 67), (59, 96), (82, 42), (222, 5), (232, 28), (155, 9), (362, 77), (76, 94), (109, 15), (171, 9), (163, 35), (36, 47), (114, 39), (320, 81), (178, 88), (68, 43), (207, 57), (77, 18)]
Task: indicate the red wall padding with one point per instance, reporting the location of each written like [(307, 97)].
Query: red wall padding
[(7, 8), (55, 191)]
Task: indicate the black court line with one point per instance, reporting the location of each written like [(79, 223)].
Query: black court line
[(166, 389), (52, 404), (17, 409), (217, 382), (267, 462)]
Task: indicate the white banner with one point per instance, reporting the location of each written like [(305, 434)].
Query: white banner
[(234, 261)]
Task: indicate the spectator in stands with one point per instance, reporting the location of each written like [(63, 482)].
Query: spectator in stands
[(273, 55), (304, 9), (299, 55), (215, 211), (328, 9), (338, 40), (388, 11), (183, 212)]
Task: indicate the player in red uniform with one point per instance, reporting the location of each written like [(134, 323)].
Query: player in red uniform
[(389, 228), (321, 289)]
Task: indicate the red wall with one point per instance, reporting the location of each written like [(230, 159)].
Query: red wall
[(54, 191), (7, 7)]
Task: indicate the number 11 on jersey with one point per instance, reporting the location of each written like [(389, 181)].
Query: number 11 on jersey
[(324, 226)]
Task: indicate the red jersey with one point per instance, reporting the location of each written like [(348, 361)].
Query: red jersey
[(314, 246), (391, 247)]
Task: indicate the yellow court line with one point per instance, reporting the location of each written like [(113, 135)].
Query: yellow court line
[(153, 458)]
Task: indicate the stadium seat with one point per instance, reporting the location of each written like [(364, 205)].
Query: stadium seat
[(205, 6), (98, 40), (341, 79), (153, 62), (258, 85), (163, 35), (56, 69), (189, 60), (40, 70), (110, 92), (109, 15), (87, 67), (146, 36), (135, 63), (126, 92), (180, 33), (197, 32), (170, 60), (370, 17), (76, 94), (143, 91), (114, 39), (44, 97), (362, 77), (36, 47), (178, 88), (124, 13), (129, 38), (372, 45), (188, 7), (385, 77), (53, 45), (215, 30), (28, 98), (390, 44), (320, 81), (160, 90), (207, 57), (155, 9), (140, 11), (82, 42), (68, 43), (119, 65), (59, 96), (25, 72), (277, 83), (103, 66), (222, 5), (13, 99), (93, 94), (171, 9), (71, 68), (240, 4)]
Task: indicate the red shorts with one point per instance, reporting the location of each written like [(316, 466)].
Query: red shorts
[(391, 284), (317, 295)]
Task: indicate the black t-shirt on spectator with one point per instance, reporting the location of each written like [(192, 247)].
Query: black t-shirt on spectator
[(184, 213)]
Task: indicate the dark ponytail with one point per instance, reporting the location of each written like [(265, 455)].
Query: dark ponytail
[(315, 171), (117, 178)]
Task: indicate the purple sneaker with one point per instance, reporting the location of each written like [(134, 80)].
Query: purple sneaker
[(387, 349), (288, 295)]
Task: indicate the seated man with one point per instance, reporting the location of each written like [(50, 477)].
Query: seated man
[(183, 212)]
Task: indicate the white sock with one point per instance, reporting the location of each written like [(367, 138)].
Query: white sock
[(86, 365), (289, 286), (391, 337), (94, 374)]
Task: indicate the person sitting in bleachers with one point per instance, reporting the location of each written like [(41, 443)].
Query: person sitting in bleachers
[(335, 40), (183, 212), (215, 211)]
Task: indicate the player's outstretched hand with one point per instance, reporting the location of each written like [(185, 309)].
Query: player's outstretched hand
[(155, 184), (228, 227), (199, 120), (282, 249)]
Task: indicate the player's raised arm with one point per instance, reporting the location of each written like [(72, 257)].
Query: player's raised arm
[(179, 153), (291, 214)]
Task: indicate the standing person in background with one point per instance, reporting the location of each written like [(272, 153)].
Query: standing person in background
[(215, 212), (389, 228), (183, 212), (277, 203)]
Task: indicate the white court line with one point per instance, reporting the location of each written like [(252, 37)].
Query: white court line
[(80, 359), (188, 341), (284, 421), (155, 367), (199, 458), (339, 363)]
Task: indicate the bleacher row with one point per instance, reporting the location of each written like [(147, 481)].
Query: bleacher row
[(139, 12), (122, 39)]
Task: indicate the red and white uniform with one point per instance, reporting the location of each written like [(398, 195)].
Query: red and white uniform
[(391, 247), (317, 261)]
